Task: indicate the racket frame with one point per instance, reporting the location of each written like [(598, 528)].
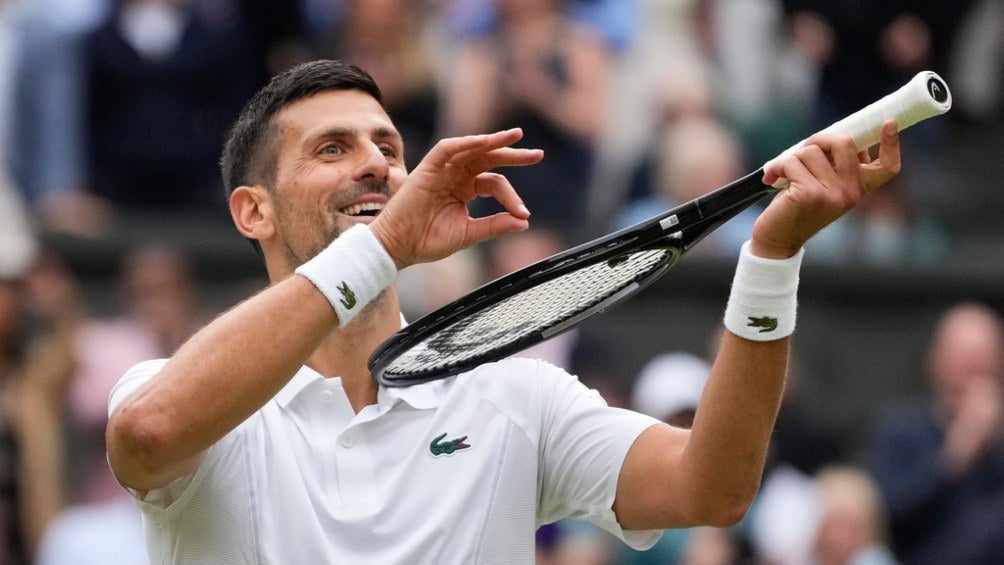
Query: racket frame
[(675, 231)]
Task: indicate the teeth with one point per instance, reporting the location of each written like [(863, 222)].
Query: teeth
[(357, 209)]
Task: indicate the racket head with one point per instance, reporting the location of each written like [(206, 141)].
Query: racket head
[(555, 294)]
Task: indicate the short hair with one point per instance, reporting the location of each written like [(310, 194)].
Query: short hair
[(249, 153)]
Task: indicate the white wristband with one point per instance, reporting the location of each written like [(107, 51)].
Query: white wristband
[(762, 303), (351, 271)]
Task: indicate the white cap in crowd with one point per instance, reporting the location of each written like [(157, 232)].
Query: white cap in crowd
[(670, 383)]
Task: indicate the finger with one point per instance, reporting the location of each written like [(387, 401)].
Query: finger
[(490, 227), (458, 149), (888, 164), (840, 152), (503, 157), (498, 187), (788, 166)]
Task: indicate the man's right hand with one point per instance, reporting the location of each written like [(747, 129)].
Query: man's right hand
[(427, 219)]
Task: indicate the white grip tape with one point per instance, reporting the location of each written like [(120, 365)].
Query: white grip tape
[(762, 303), (351, 271), (925, 96)]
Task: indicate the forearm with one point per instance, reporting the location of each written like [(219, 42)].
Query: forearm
[(713, 474), (728, 446), (725, 456), (708, 475), (216, 380)]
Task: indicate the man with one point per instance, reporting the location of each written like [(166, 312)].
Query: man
[(939, 461), (264, 439)]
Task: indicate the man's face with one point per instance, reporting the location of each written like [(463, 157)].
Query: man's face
[(339, 160)]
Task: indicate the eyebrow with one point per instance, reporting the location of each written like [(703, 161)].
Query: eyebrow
[(382, 132)]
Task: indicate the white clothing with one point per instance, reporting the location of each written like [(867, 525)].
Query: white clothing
[(461, 470)]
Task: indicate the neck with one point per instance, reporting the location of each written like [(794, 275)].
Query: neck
[(346, 350)]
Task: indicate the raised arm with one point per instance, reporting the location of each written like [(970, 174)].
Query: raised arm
[(711, 473), (234, 365)]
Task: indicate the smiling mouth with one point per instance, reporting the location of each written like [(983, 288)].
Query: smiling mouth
[(366, 209)]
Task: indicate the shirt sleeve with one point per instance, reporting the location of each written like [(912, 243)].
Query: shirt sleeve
[(131, 381), (135, 377), (583, 445)]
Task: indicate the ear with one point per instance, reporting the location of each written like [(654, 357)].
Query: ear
[(252, 212)]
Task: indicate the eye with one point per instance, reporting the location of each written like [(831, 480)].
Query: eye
[(331, 149), (388, 150)]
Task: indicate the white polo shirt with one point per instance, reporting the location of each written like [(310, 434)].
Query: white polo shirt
[(461, 470)]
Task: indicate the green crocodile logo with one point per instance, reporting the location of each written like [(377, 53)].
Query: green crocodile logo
[(765, 323), (348, 297), (438, 447)]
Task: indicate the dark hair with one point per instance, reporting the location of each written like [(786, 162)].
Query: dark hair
[(248, 154)]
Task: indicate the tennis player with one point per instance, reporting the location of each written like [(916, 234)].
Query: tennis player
[(264, 439)]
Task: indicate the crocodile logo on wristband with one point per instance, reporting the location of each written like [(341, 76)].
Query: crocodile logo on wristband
[(765, 323), (348, 299)]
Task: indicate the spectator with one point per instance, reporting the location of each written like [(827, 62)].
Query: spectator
[(862, 49), (695, 155), (43, 143), (101, 523), (940, 462), (161, 310), (37, 321), (852, 530), (122, 103), (541, 66), (646, 88), (163, 80)]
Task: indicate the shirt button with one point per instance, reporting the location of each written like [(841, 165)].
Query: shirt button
[(347, 441), (327, 397)]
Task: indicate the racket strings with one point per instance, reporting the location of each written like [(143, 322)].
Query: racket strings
[(525, 314)]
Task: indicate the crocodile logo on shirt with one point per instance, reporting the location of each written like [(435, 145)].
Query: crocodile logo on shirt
[(348, 297), (765, 323), (439, 447)]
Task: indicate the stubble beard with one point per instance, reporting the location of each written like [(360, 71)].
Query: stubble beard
[(327, 225)]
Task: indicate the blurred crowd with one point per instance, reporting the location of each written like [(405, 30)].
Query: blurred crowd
[(115, 110)]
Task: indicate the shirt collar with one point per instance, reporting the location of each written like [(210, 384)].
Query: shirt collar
[(304, 377), (420, 396)]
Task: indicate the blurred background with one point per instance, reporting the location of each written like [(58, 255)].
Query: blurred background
[(116, 244)]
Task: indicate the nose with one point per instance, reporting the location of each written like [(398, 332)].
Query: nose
[(373, 164)]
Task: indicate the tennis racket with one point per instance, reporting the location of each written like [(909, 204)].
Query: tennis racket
[(555, 294)]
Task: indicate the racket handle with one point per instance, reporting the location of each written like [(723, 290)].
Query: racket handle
[(925, 96)]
